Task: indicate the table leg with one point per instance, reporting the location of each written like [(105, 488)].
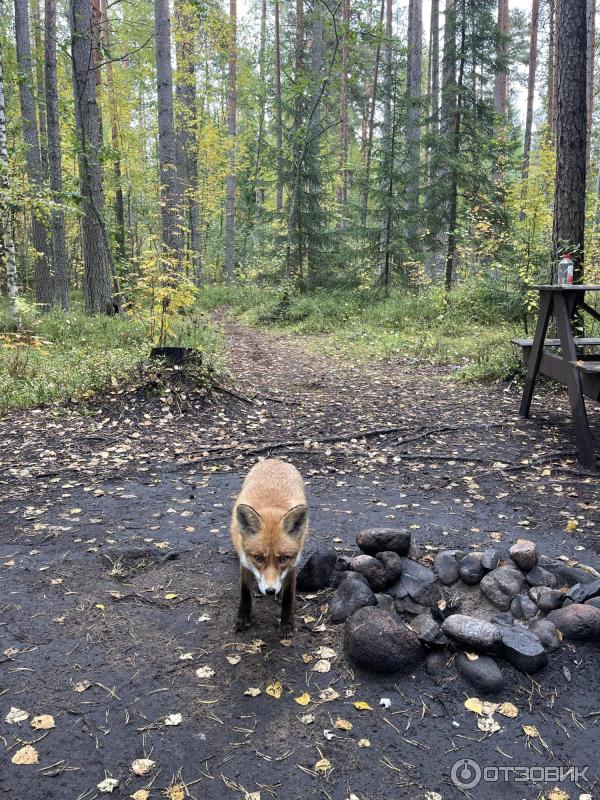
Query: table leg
[(583, 437), (536, 352)]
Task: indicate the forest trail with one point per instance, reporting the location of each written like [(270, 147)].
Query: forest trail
[(119, 584)]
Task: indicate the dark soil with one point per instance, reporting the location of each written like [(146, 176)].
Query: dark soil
[(115, 561)]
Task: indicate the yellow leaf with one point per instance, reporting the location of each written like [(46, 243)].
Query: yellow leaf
[(508, 710), (557, 794), (361, 705), (101, 606), (141, 766), (303, 700), (343, 724), (275, 690), (364, 743), (322, 665), (484, 708), (26, 755), (571, 525), (322, 765), (43, 723), (472, 656), (559, 634), (171, 596), (141, 794), (175, 792), (530, 730)]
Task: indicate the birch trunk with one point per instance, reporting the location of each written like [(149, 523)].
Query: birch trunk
[(501, 78), (278, 113), (413, 127), (231, 156), (8, 253)]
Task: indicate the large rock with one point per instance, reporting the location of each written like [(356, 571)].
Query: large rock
[(418, 582), (445, 565), (471, 568), (525, 554), (376, 540), (577, 622), (595, 601), (375, 640), (523, 607), (546, 633), (538, 576), (352, 593), (372, 569), (546, 599), (583, 591), (483, 673), (501, 585), (490, 559), (316, 572), (475, 633), (522, 648), (428, 631), (406, 606), (385, 602), (392, 563), (566, 574)]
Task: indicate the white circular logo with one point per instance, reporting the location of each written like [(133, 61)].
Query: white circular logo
[(466, 773)]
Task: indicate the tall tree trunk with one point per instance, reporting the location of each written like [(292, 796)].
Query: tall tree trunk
[(97, 257), (591, 56), (295, 233), (501, 78), (114, 134), (387, 144), (455, 151), (551, 88), (57, 221), (434, 66), (39, 78), (231, 131), (8, 245), (571, 126), (278, 113), (43, 277), (187, 129), (313, 150), (533, 41), (413, 126), (343, 187), (364, 202), (170, 189)]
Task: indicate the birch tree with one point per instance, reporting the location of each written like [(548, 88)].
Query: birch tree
[(8, 249), (231, 157)]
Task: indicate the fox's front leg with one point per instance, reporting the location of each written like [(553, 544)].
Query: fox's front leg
[(244, 615), (288, 601)]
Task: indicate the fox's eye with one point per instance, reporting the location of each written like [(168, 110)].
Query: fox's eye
[(259, 559), (283, 559)]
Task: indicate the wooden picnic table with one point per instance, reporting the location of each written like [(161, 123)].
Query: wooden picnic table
[(578, 370)]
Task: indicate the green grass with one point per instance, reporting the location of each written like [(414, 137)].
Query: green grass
[(57, 357), (471, 329)]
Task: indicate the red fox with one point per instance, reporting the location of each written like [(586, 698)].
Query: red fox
[(268, 528)]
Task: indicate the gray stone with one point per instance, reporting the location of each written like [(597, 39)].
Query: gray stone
[(522, 648), (404, 605), (372, 569), (595, 601), (475, 633), (577, 622), (445, 565), (376, 540), (418, 582), (428, 631), (546, 599), (471, 568), (385, 602), (582, 592), (490, 559), (566, 574), (392, 564), (525, 554), (504, 618), (501, 585), (483, 673), (316, 572), (538, 576), (377, 641), (523, 607), (351, 594), (546, 633)]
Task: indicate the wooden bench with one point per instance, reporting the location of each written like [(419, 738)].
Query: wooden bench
[(553, 366)]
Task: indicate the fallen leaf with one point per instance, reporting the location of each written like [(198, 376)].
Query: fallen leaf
[(364, 743), (303, 699), (16, 715), (173, 719), (141, 766), (108, 785), (43, 723), (508, 710), (571, 525), (25, 755), (307, 719), (171, 596), (343, 724), (186, 657), (81, 686), (488, 724), (234, 659), (484, 708), (274, 690), (322, 666), (326, 652), (253, 691), (385, 702), (203, 618), (328, 695), (329, 735), (530, 730), (205, 672), (557, 794), (252, 796), (141, 794), (361, 705), (472, 656), (322, 765), (175, 792)]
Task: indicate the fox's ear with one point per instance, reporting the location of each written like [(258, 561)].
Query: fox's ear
[(247, 519), (294, 521)]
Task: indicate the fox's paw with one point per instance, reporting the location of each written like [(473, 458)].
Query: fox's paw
[(243, 622), (286, 629)]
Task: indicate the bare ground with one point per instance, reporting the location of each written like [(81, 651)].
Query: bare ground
[(117, 576)]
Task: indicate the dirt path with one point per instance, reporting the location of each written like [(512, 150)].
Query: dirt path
[(117, 577)]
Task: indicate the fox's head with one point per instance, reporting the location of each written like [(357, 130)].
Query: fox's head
[(271, 543)]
